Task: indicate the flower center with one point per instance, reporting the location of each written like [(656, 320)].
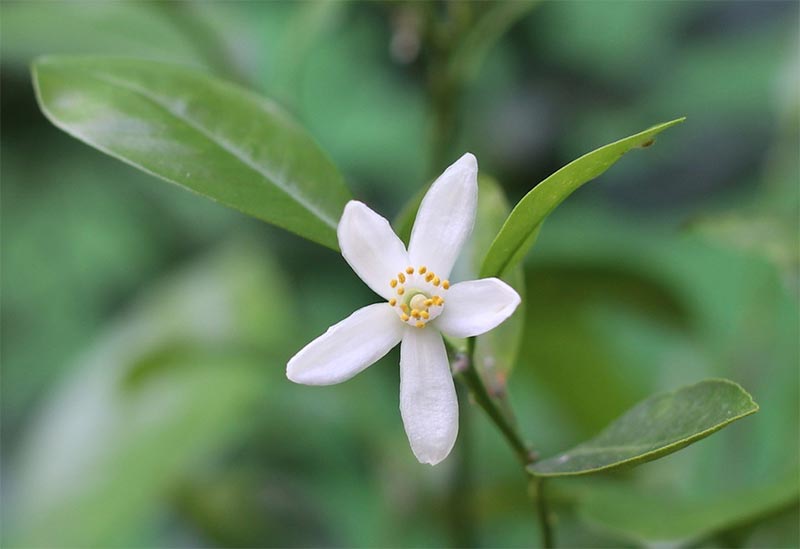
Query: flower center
[(418, 300)]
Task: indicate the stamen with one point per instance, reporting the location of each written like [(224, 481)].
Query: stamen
[(420, 324), (429, 277), (404, 317), (446, 284), (393, 302), (436, 281), (428, 302), (400, 291), (393, 283), (415, 313), (425, 314), (410, 270), (401, 276), (404, 308), (422, 269)]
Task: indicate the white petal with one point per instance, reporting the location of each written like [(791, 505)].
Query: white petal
[(477, 306), (371, 248), (445, 217), (428, 401), (348, 347)]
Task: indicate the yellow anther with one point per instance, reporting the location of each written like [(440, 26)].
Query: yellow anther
[(393, 283), (410, 270), (415, 313), (446, 284), (428, 302), (400, 291), (401, 276), (404, 308), (422, 270), (404, 317), (425, 315), (429, 277), (420, 324), (436, 281), (393, 302)]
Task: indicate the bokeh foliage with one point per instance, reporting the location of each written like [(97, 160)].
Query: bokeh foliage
[(145, 330)]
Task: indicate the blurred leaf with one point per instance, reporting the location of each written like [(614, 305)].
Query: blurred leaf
[(521, 228), (777, 530), (204, 134), (656, 427), (490, 26), (31, 29), (404, 221), (174, 382), (495, 351), (650, 516)]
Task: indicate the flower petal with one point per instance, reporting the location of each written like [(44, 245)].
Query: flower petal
[(428, 401), (477, 306), (348, 347), (371, 248), (445, 217)]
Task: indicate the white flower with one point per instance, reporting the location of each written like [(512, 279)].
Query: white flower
[(420, 303)]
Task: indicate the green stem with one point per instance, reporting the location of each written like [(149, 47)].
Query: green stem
[(464, 367), (460, 513), (481, 395), (543, 512)]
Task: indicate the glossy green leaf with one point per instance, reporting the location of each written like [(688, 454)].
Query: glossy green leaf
[(521, 228), (661, 424), (204, 134)]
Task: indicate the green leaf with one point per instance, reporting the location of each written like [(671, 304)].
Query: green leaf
[(489, 27), (659, 515), (209, 136), (521, 228), (495, 351), (173, 382), (404, 221), (661, 424), (642, 516)]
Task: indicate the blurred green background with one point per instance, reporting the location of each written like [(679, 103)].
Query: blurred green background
[(145, 330)]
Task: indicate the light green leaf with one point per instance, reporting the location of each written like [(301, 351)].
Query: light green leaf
[(659, 425), (520, 230), (204, 134)]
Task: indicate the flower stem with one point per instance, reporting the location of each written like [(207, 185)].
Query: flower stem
[(464, 367), (542, 511), (480, 394)]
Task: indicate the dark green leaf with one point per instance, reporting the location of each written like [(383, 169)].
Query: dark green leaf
[(657, 426), (204, 134), (521, 228)]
